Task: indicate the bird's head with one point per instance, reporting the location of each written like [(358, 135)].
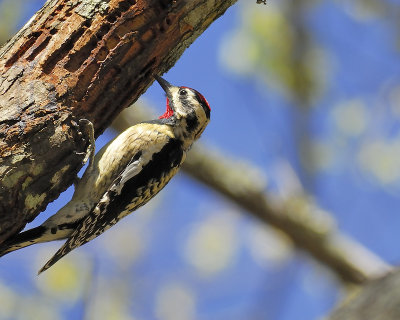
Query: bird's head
[(187, 110)]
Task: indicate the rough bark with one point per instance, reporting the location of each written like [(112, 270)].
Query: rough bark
[(79, 59)]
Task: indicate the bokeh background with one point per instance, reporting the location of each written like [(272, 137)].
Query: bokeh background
[(304, 94)]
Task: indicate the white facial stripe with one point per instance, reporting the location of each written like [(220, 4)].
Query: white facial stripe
[(184, 106)]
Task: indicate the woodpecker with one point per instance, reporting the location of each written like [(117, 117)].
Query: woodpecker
[(124, 175)]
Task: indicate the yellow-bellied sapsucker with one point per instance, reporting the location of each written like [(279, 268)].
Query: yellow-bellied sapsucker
[(124, 175)]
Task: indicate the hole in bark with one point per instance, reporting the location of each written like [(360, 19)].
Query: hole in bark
[(77, 59), (102, 31), (36, 34), (124, 6), (58, 9), (38, 49), (87, 23), (168, 21), (21, 51), (111, 17), (61, 52)]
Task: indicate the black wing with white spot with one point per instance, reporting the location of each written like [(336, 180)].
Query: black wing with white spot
[(134, 187)]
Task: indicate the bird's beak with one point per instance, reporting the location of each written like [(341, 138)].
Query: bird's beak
[(165, 85)]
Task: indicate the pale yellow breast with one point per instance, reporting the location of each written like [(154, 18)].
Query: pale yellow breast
[(111, 160)]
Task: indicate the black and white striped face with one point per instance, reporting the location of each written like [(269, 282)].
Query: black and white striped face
[(188, 108)]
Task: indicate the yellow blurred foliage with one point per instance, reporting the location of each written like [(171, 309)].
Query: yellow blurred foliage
[(212, 244), (65, 280), (175, 301)]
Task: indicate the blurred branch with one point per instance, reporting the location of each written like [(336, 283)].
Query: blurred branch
[(378, 300), (309, 228)]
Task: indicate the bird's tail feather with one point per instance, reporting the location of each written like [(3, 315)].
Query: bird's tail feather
[(22, 240)]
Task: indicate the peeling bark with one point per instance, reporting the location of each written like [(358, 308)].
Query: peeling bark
[(79, 59)]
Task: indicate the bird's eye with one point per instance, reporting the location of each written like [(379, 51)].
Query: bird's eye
[(183, 92)]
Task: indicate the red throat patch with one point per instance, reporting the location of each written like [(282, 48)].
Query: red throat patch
[(168, 113)]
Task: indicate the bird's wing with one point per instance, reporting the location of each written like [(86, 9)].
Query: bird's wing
[(133, 187)]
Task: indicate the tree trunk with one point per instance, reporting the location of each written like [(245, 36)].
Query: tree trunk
[(79, 59)]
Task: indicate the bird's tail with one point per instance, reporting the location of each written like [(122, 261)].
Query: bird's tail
[(22, 240)]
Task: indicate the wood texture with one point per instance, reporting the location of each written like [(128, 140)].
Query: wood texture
[(79, 59)]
